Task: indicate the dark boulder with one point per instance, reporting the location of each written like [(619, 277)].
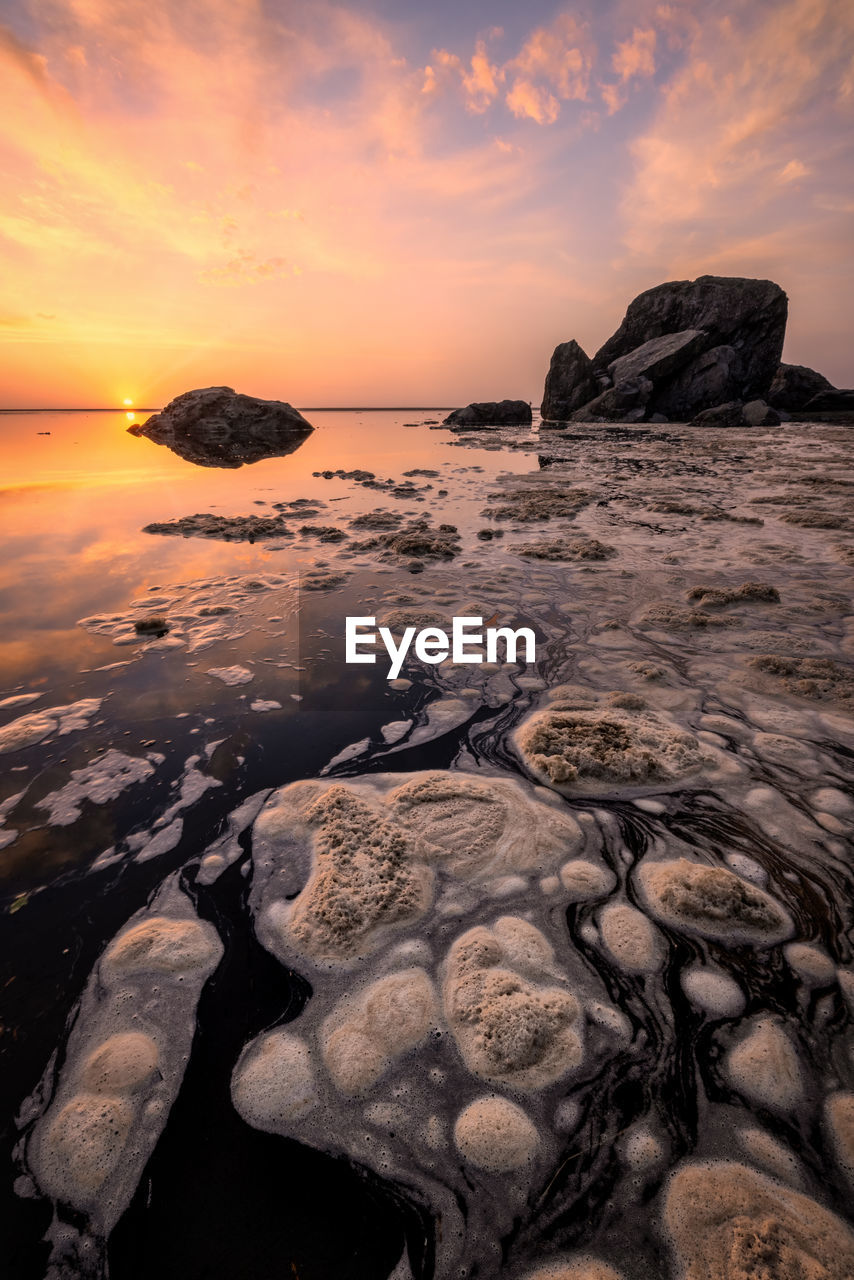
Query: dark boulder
[(720, 415), (491, 413), (659, 358), (794, 385), (570, 382), (623, 403), (709, 379), (756, 413), (218, 427), (748, 316), (833, 401)]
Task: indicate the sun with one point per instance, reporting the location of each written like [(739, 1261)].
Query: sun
[(127, 403)]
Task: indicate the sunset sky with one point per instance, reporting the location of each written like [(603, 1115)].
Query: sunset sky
[(404, 203)]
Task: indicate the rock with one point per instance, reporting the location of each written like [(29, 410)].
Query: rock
[(623, 403), (491, 413), (747, 315), (659, 358), (570, 382), (833, 401), (757, 414), (794, 385), (722, 415), (709, 379), (217, 427)]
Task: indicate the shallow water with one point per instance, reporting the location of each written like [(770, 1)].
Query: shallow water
[(762, 683)]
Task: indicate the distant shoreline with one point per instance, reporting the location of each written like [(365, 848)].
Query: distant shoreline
[(312, 408)]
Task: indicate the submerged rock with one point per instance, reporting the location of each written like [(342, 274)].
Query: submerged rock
[(218, 427), (491, 413)]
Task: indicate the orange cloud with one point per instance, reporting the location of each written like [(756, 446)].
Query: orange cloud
[(534, 102), (553, 65), (636, 56)]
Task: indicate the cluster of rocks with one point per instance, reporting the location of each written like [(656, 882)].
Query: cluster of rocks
[(705, 351)]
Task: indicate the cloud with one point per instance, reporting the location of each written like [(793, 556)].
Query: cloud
[(32, 64), (793, 171), (614, 96), (533, 102), (553, 66), (636, 56), (479, 82), (754, 87)]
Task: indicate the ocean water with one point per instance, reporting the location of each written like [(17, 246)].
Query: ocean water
[(672, 713)]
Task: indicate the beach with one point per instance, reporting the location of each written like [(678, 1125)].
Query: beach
[(609, 893)]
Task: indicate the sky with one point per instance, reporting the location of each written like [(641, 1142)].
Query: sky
[(404, 203)]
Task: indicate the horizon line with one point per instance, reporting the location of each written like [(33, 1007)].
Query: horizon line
[(310, 408)]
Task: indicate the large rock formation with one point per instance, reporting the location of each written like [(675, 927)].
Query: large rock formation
[(688, 345), (570, 382), (491, 413), (794, 385), (747, 315), (217, 427)]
